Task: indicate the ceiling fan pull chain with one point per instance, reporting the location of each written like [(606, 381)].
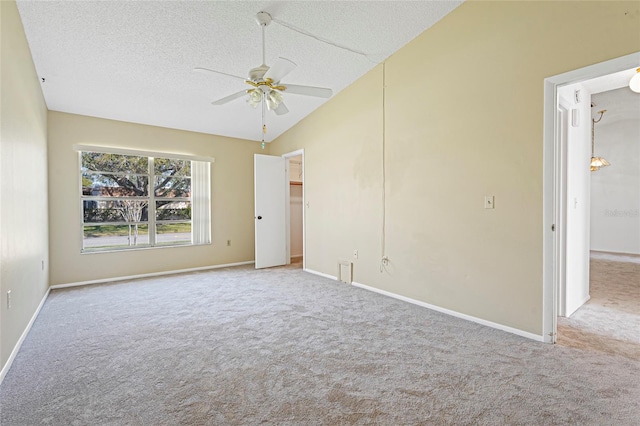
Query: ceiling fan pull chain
[(264, 125)]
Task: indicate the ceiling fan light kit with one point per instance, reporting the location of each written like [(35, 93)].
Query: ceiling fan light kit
[(265, 81), (255, 97), (274, 98)]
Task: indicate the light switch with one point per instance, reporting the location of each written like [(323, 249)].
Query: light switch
[(489, 202)]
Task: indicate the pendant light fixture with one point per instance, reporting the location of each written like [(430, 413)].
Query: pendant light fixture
[(634, 83), (596, 162)]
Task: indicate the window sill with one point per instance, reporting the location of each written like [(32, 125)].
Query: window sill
[(127, 249)]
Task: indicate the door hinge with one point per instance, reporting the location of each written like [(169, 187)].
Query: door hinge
[(553, 227)]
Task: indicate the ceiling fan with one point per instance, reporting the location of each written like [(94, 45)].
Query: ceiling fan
[(265, 81)]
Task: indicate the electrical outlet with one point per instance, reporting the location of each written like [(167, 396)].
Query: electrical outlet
[(355, 254), (9, 299), (228, 243)]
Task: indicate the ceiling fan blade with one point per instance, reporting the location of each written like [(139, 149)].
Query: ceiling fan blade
[(207, 70), (229, 98), (282, 109), (280, 68), (318, 92)]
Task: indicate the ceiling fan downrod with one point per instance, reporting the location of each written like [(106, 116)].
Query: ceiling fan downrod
[(263, 19)]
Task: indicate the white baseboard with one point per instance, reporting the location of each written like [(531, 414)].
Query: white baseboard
[(16, 349), (152, 274), (453, 313), (296, 256), (311, 271)]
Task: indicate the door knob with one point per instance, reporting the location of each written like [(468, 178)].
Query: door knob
[(259, 217)]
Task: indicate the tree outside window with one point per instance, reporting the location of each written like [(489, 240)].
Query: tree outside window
[(120, 210)]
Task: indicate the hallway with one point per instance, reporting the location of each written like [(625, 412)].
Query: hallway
[(610, 320)]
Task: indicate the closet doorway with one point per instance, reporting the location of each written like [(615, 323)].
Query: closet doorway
[(295, 208)]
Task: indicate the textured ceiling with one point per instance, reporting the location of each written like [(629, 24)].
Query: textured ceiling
[(133, 60)]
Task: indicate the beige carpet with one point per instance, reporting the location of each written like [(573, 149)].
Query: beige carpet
[(282, 347), (610, 321)]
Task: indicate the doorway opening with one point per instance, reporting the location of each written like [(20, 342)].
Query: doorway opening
[(610, 320), (571, 274), (295, 203)]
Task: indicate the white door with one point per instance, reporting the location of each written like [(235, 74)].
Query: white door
[(577, 196), (270, 231)]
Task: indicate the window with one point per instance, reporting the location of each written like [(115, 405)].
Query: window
[(132, 201)]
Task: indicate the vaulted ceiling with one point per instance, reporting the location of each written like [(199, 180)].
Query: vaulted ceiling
[(133, 60)]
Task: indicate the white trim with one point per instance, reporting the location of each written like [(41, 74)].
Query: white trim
[(551, 186), (16, 348), (294, 153), (586, 299), (152, 274), (140, 248), (453, 313), (296, 256), (141, 153), (311, 271), (560, 211), (287, 208), (304, 210)]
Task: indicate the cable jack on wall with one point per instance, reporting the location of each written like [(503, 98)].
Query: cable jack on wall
[(384, 262)]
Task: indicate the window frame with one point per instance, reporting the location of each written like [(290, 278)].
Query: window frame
[(151, 199)]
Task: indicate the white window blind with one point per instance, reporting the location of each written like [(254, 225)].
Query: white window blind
[(201, 202)]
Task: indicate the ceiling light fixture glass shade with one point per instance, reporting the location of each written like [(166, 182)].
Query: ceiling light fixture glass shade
[(596, 162), (634, 83), (255, 97), (273, 99)]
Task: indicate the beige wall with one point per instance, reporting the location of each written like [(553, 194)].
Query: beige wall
[(464, 117), (231, 208), (23, 183)]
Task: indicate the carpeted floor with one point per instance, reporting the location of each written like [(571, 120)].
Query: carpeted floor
[(280, 346), (610, 321)]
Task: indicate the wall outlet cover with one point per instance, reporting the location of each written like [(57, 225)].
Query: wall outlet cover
[(489, 202)]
